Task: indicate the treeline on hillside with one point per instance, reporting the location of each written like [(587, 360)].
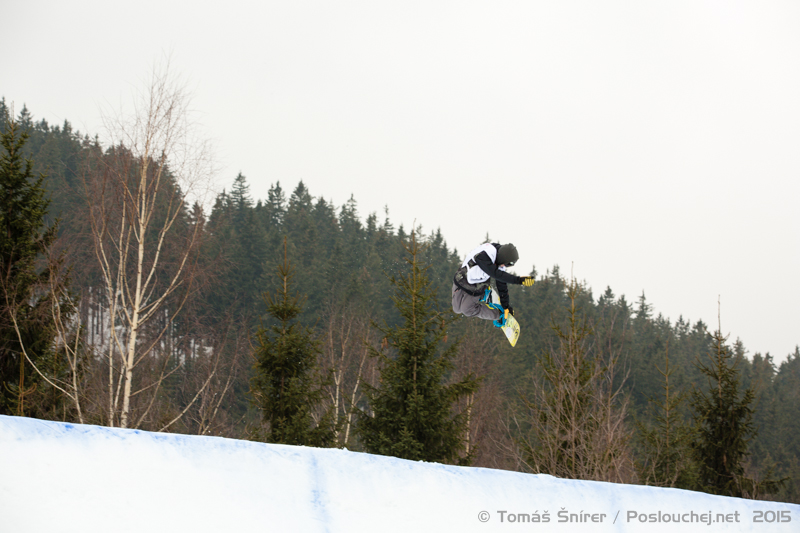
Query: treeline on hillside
[(597, 387)]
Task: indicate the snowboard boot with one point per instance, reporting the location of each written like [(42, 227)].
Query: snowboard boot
[(500, 322)]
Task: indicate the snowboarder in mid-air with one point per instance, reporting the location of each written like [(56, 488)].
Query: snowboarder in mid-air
[(471, 289)]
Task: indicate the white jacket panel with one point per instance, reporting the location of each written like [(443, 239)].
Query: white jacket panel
[(476, 274)]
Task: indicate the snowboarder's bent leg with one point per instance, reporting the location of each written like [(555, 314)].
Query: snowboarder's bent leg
[(469, 305)]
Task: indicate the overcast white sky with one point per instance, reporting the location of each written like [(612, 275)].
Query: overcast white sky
[(654, 145)]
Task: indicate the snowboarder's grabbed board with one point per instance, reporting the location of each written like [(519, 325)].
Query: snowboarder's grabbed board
[(472, 294)]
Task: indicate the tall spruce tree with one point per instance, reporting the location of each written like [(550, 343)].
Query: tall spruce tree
[(286, 387), (411, 411), (249, 250), (645, 353), (26, 323), (724, 417)]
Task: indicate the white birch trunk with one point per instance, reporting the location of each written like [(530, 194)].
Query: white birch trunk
[(131, 222)]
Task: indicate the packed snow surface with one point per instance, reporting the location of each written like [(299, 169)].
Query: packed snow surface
[(57, 477)]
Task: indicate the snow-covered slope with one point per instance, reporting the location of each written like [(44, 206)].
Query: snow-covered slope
[(58, 477)]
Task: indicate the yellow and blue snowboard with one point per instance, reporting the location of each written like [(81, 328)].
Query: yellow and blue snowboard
[(508, 323)]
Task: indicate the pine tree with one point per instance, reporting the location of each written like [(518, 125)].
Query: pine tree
[(275, 207), (644, 354), (241, 202), (411, 411), (240, 193), (299, 226), (723, 414), (26, 323), (286, 387), (249, 249), (271, 216), (5, 115), (328, 276)]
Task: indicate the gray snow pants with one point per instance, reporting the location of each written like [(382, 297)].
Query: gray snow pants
[(469, 305)]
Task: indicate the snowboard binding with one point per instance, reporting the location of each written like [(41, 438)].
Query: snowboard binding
[(487, 300)]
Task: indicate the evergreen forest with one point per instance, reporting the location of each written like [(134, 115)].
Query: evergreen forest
[(291, 319)]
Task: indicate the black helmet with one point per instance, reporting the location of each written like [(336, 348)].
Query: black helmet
[(507, 255)]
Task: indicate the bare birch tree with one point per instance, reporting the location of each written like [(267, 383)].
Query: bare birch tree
[(345, 356), (144, 243), (66, 326), (477, 352), (214, 365)]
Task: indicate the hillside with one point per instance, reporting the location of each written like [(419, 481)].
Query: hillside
[(67, 477)]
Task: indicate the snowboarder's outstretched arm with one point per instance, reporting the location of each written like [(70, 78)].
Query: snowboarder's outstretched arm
[(502, 278)]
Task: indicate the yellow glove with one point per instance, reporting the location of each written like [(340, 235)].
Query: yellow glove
[(527, 281)]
